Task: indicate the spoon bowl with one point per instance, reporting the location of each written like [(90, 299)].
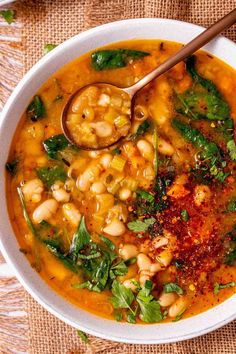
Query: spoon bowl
[(96, 136)]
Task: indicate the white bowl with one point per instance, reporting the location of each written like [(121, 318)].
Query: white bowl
[(41, 292)]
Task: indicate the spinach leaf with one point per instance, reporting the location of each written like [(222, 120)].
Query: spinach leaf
[(66, 260), (194, 136), (210, 162), (140, 226), (172, 287), (142, 129), (122, 296), (150, 310), (81, 239), (218, 287), (8, 15), (48, 47), (116, 151), (83, 336), (56, 144), (12, 166), (36, 109), (114, 58), (108, 243), (203, 100), (49, 175), (25, 212)]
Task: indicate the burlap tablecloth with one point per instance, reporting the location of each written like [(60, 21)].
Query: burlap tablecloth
[(37, 23)]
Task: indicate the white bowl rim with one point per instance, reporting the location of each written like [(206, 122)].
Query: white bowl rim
[(220, 319)]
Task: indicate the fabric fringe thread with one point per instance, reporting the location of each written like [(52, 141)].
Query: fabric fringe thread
[(13, 318)]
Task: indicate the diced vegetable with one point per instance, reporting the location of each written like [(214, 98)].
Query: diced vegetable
[(36, 109), (118, 163), (114, 58)]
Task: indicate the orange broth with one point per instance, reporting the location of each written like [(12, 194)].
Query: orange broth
[(194, 250)]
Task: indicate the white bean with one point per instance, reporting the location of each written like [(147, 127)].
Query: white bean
[(164, 147), (167, 299), (143, 278), (104, 100), (143, 262), (145, 149), (45, 210), (103, 129), (32, 190), (128, 251), (61, 195), (115, 228), (105, 160), (59, 192), (165, 257), (124, 193), (98, 188), (71, 213), (178, 307)]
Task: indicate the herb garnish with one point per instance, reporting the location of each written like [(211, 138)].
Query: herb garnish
[(184, 215), (83, 336), (218, 287), (149, 309), (48, 47), (172, 287), (8, 15), (141, 226)]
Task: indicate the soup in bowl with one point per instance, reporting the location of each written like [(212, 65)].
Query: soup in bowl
[(143, 231)]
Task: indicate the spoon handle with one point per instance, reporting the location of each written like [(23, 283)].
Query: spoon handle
[(185, 51)]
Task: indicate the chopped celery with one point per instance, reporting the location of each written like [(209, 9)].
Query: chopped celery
[(118, 163)]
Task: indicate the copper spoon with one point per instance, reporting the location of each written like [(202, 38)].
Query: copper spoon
[(182, 54)]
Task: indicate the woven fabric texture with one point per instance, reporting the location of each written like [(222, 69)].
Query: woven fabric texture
[(53, 21)]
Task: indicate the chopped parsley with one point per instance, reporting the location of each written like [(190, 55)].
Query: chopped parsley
[(218, 287)]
